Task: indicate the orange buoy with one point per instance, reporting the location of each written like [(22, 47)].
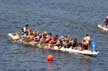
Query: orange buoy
[(50, 58)]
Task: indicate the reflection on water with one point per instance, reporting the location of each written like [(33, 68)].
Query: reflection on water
[(85, 62), (50, 66)]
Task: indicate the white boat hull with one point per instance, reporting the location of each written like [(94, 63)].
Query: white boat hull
[(102, 27), (86, 52), (70, 50), (14, 36)]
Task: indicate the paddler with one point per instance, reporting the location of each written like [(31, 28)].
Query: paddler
[(86, 42), (25, 29), (53, 41), (106, 21)]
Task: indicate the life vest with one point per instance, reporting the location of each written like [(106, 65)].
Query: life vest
[(48, 39), (53, 41), (34, 37)]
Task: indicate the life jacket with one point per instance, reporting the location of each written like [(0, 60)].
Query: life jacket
[(53, 41), (48, 39), (34, 37)]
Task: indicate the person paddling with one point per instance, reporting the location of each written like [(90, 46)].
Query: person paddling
[(106, 21), (86, 42), (25, 29)]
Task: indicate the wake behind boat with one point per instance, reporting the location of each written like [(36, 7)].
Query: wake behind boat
[(102, 27), (17, 37)]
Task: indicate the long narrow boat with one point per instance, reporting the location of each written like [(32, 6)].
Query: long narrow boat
[(102, 27), (16, 37)]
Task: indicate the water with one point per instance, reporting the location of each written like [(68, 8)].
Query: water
[(62, 17)]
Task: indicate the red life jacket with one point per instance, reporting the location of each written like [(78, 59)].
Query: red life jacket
[(53, 41), (48, 39)]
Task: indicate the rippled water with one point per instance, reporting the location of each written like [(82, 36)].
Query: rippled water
[(62, 17)]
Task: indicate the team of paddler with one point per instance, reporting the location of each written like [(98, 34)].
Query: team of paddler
[(46, 39)]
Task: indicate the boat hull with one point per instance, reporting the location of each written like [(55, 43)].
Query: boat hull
[(69, 50), (103, 28), (14, 36)]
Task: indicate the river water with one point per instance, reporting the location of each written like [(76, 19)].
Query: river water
[(62, 17)]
